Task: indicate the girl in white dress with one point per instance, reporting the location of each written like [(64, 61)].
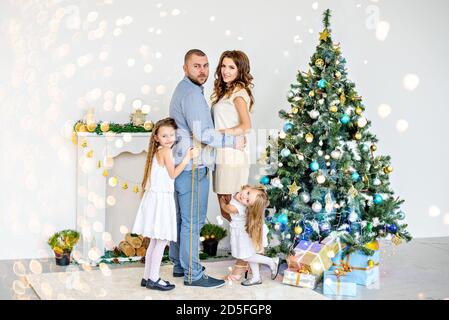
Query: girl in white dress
[(248, 231), (156, 216)]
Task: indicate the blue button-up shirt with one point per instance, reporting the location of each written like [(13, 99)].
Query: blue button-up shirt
[(194, 119)]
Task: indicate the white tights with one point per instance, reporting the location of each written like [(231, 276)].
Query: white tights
[(153, 259), (254, 264)]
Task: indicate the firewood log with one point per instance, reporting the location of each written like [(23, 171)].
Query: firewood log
[(141, 252), (127, 249), (135, 242), (146, 242)]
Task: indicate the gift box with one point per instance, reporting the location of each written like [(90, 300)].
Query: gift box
[(300, 279), (337, 283), (332, 245), (311, 256), (363, 268)]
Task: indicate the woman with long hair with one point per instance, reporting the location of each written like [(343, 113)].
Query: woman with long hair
[(232, 103)]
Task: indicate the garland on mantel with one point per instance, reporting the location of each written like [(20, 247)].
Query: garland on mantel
[(103, 127)]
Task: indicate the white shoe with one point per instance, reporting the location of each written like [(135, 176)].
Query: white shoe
[(251, 282), (275, 269)]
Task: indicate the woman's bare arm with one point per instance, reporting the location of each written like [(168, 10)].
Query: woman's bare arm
[(244, 125)]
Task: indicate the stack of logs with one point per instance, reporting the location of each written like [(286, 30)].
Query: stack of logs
[(134, 245)]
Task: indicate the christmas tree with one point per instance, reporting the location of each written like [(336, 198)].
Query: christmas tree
[(323, 174)]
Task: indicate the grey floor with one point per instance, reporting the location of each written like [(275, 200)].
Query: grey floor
[(415, 270)]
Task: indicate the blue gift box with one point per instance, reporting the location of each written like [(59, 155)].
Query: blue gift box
[(359, 266), (343, 285)]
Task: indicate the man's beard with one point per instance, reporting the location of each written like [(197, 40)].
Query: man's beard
[(196, 82)]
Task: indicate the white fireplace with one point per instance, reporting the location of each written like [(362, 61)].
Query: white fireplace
[(96, 153)]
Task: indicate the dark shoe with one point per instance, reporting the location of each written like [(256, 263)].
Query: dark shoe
[(155, 285), (143, 283), (179, 274), (206, 282)]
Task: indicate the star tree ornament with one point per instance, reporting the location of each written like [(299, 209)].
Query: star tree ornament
[(293, 188), (328, 150)]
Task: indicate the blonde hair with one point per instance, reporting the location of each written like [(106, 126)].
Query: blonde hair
[(255, 216), (153, 146), (243, 80)]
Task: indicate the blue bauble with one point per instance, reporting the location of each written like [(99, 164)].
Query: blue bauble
[(322, 83), (265, 180), (283, 219), (285, 152), (378, 199), (269, 218), (393, 228), (314, 166), (355, 176), (344, 119), (308, 230), (288, 126)]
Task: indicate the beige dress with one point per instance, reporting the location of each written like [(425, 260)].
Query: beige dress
[(232, 166)]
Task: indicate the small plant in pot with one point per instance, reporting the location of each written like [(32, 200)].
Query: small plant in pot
[(62, 243), (212, 234)]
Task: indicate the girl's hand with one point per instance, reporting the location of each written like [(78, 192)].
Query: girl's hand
[(193, 153), (190, 154)]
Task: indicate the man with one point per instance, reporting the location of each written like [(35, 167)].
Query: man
[(195, 128)]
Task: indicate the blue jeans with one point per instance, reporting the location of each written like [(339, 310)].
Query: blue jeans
[(185, 252)]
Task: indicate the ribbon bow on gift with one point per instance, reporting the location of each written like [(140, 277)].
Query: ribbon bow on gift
[(339, 273), (345, 266), (303, 269)]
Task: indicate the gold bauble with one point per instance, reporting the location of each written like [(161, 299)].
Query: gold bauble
[(136, 189), (365, 179), (311, 94), (104, 127), (295, 110), (358, 136), (82, 128), (105, 173), (333, 109), (148, 125), (370, 263), (396, 240), (309, 137), (74, 138), (78, 126), (388, 169), (337, 74), (90, 154), (91, 127), (373, 245), (319, 62), (358, 110), (125, 186), (298, 230), (373, 147)]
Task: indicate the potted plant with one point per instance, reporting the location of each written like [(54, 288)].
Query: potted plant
[(212, 233), (62, 243)]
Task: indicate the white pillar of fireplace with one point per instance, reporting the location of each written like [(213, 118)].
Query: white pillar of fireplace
[(91, 203)]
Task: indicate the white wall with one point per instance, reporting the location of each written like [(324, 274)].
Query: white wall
[(48, 65)]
